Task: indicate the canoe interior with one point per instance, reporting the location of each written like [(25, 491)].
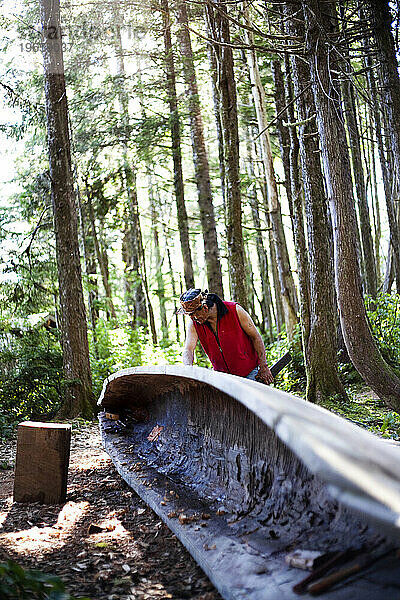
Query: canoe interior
[(197, 451)]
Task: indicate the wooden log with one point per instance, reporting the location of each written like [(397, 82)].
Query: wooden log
[(41, 468)]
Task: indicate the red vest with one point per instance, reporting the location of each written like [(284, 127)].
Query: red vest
[(235, 352)]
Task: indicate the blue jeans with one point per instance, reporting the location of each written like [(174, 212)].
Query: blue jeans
[(252, 375)]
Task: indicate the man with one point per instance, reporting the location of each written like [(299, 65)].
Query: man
[(227, 333)]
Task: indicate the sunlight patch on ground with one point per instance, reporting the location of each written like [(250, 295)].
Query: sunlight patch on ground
[(3, 515), (43, 539)]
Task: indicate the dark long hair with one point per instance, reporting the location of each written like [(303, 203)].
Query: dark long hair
[(215, 299)]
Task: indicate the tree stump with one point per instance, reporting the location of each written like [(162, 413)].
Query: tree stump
[(41, 468)]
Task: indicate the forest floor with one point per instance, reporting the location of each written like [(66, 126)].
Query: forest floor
[(104, 543)]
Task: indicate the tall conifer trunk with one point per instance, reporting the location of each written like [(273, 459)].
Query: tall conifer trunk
[(143, 313), (217, 114), (367, 245), (159, 259), (200, 158), (287, 287), (381, 20), (100, 255), (219, 27), (266, 299), (176, 147), (360, 343), (89, 261), (78, 397), (394, 246), (317, 277)]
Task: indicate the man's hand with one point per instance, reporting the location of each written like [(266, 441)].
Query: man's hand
[(246, 322), (264, 375)]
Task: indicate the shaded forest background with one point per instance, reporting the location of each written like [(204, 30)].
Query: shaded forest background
[(251, 148)]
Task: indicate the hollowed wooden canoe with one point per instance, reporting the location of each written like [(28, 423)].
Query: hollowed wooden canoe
[(245, 474)]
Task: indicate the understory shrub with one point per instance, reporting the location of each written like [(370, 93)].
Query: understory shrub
[(17, 583), (31, 382), (293, 377), (123, 347), (384, 317)]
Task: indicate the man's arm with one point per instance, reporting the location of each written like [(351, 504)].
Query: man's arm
[(248, 327), (190, 345)]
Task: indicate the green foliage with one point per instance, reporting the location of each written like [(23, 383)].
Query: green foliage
[(293, 377), (31, 383), (17, 583), (348, 374), (384, 318), (123, 347), (368, 412)]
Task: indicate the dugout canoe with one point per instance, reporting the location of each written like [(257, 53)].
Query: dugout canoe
[(245, 474)]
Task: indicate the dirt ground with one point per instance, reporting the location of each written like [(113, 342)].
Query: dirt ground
[(105, 543)]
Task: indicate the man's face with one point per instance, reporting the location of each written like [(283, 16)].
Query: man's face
[(200, 315)]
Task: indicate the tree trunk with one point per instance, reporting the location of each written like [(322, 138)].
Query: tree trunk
[(136, 251), (367, 245), (387, 180), (277, 307), (374, 194), (78, 397), (266, 299), (381, 22), (103, 264), (290, 148), (219, 26), (217, 112), (173, 286), (158, 258), (200, 158), (89, 261), (287, 287), (176, 148), (317, 278), (144, 288), (360, 343), (286, 144)]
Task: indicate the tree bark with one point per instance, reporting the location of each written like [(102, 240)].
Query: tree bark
[(388, 183), (200, 158), (89, 261), (287, 287), (287, 143), (103, 264), (173, 285), (290, 148), (360, 343), (373, 185), (381, 22), (367, 245), (78, 397), (317, 276), (135, 290), (266, 299), (142, 259), (219, 26), (159, 259), (217, 112), (176, 147)]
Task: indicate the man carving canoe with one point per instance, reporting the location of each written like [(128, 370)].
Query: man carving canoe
[(227, 333)]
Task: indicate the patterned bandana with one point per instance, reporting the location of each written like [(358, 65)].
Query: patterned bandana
[(189, 306)]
